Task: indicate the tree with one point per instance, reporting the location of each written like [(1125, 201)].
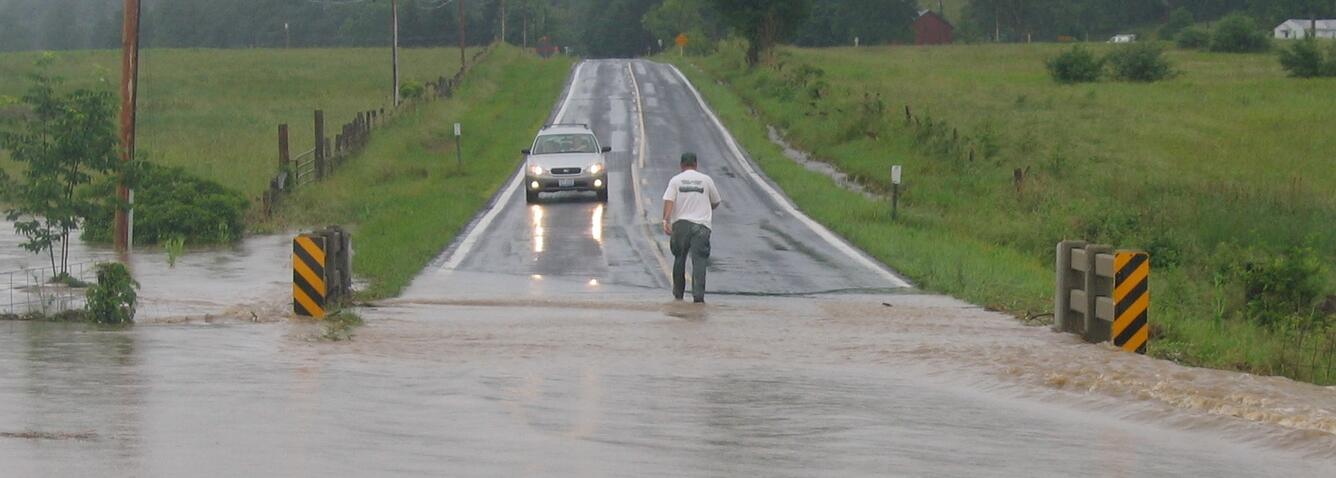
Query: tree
[(1178, 20), (695, 18), (764, 23), (63, 141), (1238, 33), (873, 22)]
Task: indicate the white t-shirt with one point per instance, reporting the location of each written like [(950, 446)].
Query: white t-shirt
[(692, 194)]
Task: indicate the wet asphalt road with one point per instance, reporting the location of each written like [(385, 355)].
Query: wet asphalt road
[(649, 116), (544, 343)]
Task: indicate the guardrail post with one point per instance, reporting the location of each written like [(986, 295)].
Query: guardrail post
[(1095, 329), (1067, 280), (284, 155)]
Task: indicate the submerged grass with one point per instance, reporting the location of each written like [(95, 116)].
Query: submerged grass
[(1226, 164), (404, 197)]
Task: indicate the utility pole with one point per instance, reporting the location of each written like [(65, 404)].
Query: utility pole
[(124, 219), (287, 36), (503, 21), (394, 14), (459, 6)]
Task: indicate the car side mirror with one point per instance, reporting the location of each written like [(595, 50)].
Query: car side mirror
[(525, 151), (607, 149)]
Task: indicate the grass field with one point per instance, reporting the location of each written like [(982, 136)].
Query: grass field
[(1229, 163), (404, 197), (216, 112)]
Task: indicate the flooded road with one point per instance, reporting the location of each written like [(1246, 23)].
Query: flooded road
[(614, 382), (543, 343)]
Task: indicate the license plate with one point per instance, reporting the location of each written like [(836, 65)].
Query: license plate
[(566, 183)]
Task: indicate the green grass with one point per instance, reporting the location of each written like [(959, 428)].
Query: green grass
[(1230, 161), (404, 197), (216, 112)]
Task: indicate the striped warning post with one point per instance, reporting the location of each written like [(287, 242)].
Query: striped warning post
[(308, 276), (1131, 297)]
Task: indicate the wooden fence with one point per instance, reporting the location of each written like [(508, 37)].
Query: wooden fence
[(328, 153)]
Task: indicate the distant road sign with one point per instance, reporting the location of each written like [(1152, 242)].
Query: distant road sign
[(681, 39)]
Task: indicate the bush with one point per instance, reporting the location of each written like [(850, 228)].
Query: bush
[(1238, 33), (1283, 287), (1194, 38), (112, 300), (1141, 62), (1303, 59), (171, 203), (409, 91), (1075, 66)]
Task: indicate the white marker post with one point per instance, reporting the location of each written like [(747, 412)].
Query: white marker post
[(895, 191), (459, 147)]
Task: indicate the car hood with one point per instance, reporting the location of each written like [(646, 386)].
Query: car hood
[(571, 160)]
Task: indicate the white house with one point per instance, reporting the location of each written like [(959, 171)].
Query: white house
[(1297, 28), (1123, 38)]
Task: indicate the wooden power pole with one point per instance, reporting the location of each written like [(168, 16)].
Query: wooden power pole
[(503, 21), (394, 50), (459, 5), (124, 220)]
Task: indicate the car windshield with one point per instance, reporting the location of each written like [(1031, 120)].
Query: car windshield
[(565, 143)]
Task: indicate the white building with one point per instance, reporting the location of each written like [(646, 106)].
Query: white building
[(1292, 29)]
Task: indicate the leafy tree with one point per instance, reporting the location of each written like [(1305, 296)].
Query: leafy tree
[(695, 18), (838, 22), (764, 23), (63, 142), (1238, 33), (1178, 20)]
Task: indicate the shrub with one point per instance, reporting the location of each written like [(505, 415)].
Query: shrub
[(1142, 62), (1303, 59), (410, 91), (1194, 38), (1282, 287), (1077, 65), (1238, 33), (112, 300), (171, 203)]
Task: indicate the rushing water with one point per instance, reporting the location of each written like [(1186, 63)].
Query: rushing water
[(611, 381)]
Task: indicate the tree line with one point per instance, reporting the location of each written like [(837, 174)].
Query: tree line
[(596, 28), (599, 28), (1025, 20)]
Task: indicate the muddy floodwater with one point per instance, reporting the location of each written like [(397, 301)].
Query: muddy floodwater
[(611, 381)]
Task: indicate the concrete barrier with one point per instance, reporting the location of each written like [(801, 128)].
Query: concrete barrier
[(1102, 294)]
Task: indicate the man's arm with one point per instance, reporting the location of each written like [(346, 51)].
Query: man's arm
[(715, 200), (667, 216)]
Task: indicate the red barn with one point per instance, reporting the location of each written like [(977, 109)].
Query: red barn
[(932, 29)]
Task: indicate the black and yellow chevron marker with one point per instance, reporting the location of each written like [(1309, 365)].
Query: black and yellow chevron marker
[(308, 276), (1131, 298)]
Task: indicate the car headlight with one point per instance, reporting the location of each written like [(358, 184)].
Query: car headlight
[(535, 170), (596, 168)]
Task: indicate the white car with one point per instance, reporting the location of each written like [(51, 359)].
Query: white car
[(565, 157)]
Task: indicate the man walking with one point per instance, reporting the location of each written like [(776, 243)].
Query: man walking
[(688, 207)]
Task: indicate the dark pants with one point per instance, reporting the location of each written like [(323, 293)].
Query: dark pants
[(690, 239)]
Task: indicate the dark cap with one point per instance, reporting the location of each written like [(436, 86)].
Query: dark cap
[(688, 159)]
